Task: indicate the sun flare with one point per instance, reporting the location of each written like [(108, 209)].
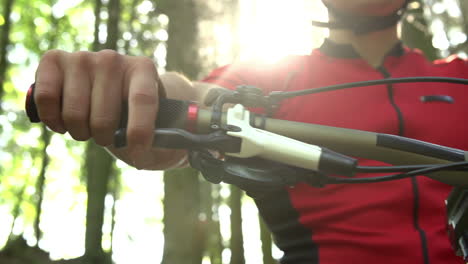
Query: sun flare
[(271, 29)]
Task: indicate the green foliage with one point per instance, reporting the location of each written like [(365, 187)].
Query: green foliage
[(39, 26)]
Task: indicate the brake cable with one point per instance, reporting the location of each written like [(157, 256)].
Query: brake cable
[(284, 95), (254, 98)]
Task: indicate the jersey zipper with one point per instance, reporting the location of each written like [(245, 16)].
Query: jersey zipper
[(414, 182)]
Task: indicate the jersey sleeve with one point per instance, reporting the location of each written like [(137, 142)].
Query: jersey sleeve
[(225, 77), (454, 65), (268, 77)]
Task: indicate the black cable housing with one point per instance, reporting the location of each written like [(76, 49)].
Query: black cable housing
[(381, 169), (450, 166), (278, 96)]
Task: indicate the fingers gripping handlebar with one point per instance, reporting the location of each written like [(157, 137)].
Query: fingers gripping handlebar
[(174, 113)]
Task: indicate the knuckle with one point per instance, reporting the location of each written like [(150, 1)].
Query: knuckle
[(53, 55), (142, 62), (80, 58), (108, 58), (145, 62)]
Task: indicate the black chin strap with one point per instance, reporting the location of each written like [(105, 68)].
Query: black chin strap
[(361, 24)]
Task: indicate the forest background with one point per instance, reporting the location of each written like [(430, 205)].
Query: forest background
[(63, 201)]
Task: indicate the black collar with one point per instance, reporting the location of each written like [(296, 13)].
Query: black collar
[(346, 51)]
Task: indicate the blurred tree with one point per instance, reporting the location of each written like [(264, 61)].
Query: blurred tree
[(4, 44), (45, 137), (446, 21), (99, 163), (24, 200), (183, 230), (237, 239), (98, 170), (20, 196), (464, 8), (235, 200), (45, 24), (97, 22), (133, 16), (214, 241), (265, 236), (40, 184), (415, 30)]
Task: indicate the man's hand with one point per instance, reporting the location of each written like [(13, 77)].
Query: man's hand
[(82, 93)]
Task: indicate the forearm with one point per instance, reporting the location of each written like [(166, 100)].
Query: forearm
[(179, 87)]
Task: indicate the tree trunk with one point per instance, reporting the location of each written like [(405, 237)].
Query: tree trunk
[(133, 14), (464, 9), (113, 32), (46, 135), (182, 230), (98, 169), (416, 34), (215, 241), (4, 43), (115, 192), (235, 200), (16, 211), (234, 20), (183, 42), (265, 237), (99, 163), (97, 16), (182, 196), (237, 239), (40, 185)]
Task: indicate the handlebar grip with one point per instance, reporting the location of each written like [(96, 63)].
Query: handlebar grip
[(171, 113), (30, 106), (174, 114)]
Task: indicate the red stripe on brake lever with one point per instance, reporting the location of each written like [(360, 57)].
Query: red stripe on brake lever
[(30, 106)]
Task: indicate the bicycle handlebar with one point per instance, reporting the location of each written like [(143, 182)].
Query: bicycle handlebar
[(375, 146)]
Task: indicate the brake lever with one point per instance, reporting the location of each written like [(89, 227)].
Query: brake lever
[(255, 176), (176, 138)]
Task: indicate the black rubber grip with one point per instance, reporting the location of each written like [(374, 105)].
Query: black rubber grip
[(171, 113)]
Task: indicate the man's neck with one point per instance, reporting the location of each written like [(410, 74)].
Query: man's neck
[(372, 47)]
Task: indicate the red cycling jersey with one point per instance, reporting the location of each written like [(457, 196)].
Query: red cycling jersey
[(401, 221)]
